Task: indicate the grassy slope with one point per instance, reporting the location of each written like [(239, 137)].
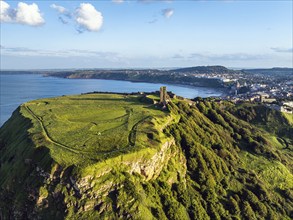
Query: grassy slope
[(237, 166), (46, 136), (221, 166)]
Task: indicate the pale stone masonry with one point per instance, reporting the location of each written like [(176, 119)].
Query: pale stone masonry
[(163, 95)]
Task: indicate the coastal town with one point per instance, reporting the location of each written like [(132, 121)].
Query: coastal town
[(276, 91), (273, 87)]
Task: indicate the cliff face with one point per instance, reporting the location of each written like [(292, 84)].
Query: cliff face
[(98, 183), (208, 163)]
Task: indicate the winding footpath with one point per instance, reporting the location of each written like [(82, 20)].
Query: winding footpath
[(45, 131)]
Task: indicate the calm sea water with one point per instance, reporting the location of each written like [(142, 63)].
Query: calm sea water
[(16, 89)]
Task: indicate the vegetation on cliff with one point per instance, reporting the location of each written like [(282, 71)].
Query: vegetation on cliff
[(204, 159)]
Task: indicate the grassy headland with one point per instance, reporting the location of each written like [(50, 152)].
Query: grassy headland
[(114, 156)]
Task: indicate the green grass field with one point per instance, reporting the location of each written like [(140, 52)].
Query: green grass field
[(95, 126)]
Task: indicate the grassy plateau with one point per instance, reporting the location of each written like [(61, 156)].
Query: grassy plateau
[(90, 127)]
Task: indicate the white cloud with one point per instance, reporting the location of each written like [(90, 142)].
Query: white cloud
[(118, 1), (88, 18), (59, 8), (227, 57), (64, 14), (282, 50), (4, 12), (85, 16), (27, 14), (168, 12)]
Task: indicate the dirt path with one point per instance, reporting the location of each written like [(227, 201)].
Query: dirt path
[(47, 136), (132, 133)]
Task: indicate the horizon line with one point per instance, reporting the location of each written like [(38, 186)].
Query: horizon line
[(138, 68)]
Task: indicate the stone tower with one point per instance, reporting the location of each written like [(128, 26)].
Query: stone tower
[(163, 95)]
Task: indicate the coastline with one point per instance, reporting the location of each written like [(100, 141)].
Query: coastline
[(196, 82)]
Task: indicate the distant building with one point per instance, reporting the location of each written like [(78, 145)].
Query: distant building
[(254, 98), (237, 87), (263, 96), (269, 100), (289, 104), (284, 107)]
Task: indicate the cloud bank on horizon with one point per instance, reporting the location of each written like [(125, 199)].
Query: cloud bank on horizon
[(282, 50)]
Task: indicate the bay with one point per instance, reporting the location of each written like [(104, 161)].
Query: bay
[(19, 88)]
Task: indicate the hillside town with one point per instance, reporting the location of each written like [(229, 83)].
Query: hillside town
[(276, 91), (274, 86)]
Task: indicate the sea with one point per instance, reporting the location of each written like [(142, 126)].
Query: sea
[(16, 89)]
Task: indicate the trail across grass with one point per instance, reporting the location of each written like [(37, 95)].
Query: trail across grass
[(96, 125), (47, 135)]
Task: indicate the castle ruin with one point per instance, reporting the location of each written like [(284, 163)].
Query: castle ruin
[(163, 95)]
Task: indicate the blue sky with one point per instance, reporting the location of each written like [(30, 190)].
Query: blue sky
[(145, 34)]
